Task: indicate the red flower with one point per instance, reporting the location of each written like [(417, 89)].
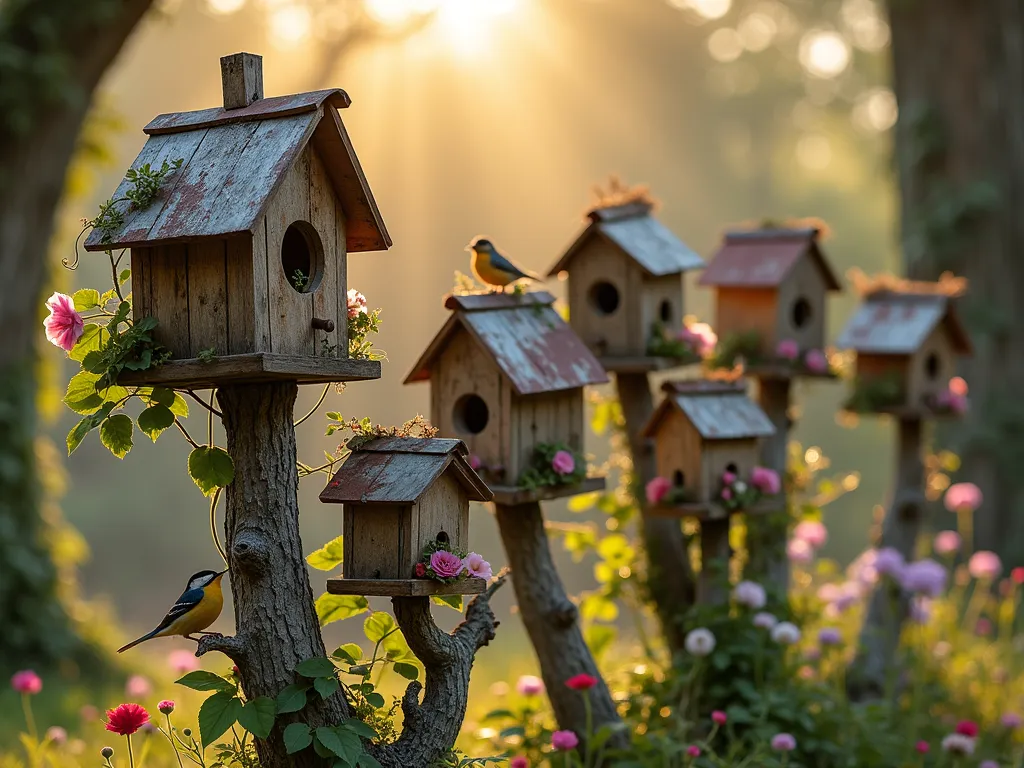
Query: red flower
[(922, 747), (967, 728), (126, 719), (421, 571), (719, 717), (581, 682), (1017, 574)]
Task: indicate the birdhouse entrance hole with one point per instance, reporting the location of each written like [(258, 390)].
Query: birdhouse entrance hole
[(442, 537), (665, 311), (603, 297), (932, 367), (801, 312), (678, 478), (731, 467), (302, 257), (470, 414)]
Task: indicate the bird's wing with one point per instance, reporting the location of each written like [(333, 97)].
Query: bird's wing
[(189, 599), (502, 264)]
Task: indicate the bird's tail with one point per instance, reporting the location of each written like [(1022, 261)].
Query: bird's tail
[(133, 643)]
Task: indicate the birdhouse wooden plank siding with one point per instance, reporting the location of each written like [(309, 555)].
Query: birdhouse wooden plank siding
[(244, 251), (773, 282), (625, 273), (507, 374), (910, 340), (400, 495)]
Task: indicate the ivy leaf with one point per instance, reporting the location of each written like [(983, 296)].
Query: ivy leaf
[(257, 716), (350, 652), (331, 608), (328, 557), (318, 666), (88, 342), (407, 670), (86, 298), (116, 434), (291, 699), (359, 728), (297, 737), (206, 681), (374, 699), (326, 686), (81, 395), (210, 468), (85, 426), (155, 419), (340, 742), (218, 713), (452, 601), (377, 625)]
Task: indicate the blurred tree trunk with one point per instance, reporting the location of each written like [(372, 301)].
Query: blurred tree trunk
[(958, 72), (54, 53)]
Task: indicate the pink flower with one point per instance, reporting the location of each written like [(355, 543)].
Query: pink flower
[(56, 735), (813, 532), (1010, 720), (788, 349), (922, 747), (719, 717), (693, 751), (138, 687), (445, 564), (421, 571), (985, 565), (952, 401), (765, 480), (700, 337), (967, 728), (564, 740), (983, 627), (727, 493), (946, 542), (89, 713), (563, 463), (477, 566), (474, 461), (182, 662), (126, 719), (988, 764), (530, 685), (656, 490), (356, 303), (783, 742), (816, 361), (519, 762), (728, 478), (958, 744), (166, 706), (581, 682), (924, 576), (964, 497), (26, 681), (63, 326), (799, 551)]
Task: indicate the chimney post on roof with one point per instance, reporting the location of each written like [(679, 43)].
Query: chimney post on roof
[(241, 76)]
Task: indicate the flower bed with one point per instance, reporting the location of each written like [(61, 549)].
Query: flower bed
[(747, 348), (449, 565), (691, 344), (734, 494), (553, 464)]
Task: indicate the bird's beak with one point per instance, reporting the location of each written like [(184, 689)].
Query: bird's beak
[(223, 572)]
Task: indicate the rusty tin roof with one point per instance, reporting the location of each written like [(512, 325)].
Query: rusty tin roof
[(532, 345), (762, 258), (233, 162), (718, 410), (891, 323), (640, 236), (399, 470)]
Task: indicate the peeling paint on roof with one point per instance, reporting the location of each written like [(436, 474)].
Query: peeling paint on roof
[(717, 410), (274, 106), (889, 323), (763, 258), (531, 344)]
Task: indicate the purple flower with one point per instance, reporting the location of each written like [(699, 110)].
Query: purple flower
[(1010, 720), (563, 463), (816, 361), (445, 564), (985, 565), (813, 532), (920, 610), (829, 636), (477, 566), (783, 742), (788, 349), (890, 562), (750, 594), (764, 620), (766, 480), (947, 542), (926, 577)]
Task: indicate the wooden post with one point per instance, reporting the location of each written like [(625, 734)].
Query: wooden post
[(767, 534), (241, 76), (879, 639), (551, 621), (712, 586)]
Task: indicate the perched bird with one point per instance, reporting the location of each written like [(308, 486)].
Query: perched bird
[(197, 608), (491, 268)]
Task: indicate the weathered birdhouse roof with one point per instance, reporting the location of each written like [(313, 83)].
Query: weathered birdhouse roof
[(399, 470), (763, 258), (640, 236), (894, 323), (532, 345), (718, 410), (233, 162)]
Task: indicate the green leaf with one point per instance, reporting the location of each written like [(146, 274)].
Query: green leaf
[(321, 750), (368, 761), (86, 298), (179, 407), (318, 666), (291, 699), (162, 396), (123, 277), (81, 395), (349, 652), (328, 557), (116, 434), (452, 601), (85, 426), (155, 419), (340, 742), (374, 699), (326, 686), (407, 670), (377, 625), (88, 342), (297, 737), (359, 728), (210, 468), (206, 681), (218, 713), (257, 716), (330, 608)]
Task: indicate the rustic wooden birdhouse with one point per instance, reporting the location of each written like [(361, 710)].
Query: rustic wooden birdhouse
[(625, 273), (701, 430), (241, 258), (507, 377), (770, 286), (907, 343), (402, 494)]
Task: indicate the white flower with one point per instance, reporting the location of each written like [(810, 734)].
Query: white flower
[(739, 486), (699, 642), (751, 594), (958, 744), (765, 620), (786, 633)]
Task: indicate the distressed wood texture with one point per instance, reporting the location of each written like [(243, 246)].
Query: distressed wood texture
[(341, 253), (208, 297), (513, 496), (241, 307), (261, 366), (805, 284), (327, 291), (661, 301), (555, 417), (142, 269), (551, 620), (608, 334), (271, 107), (741, 310), (443, 509), (241, 76), (715, 552), (377, 541), (404, 587), (678, 453), (169, 300)]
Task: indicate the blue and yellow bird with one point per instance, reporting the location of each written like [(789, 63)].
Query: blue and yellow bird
[(197, 608), (491, 268)]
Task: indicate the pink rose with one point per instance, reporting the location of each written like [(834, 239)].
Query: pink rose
[(985, 565), (816, 361), (766, 480), (530, 685), (727, 493), (27, 681), (700, 337), (656, 489), (947, 542), (356, 303), (564, 740), (963, 497), (445, 564), (474, 461), (813, 532), (563, 463), (477, 566), (63, 326), (788, 349), (728, 478), (421, 571)]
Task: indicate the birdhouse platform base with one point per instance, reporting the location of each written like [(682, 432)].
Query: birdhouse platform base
[(512, 496), (640, 364), (405, 587), (713, 511), (252, 368), (782, 372)]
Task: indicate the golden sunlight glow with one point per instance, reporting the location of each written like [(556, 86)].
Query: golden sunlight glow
[(757, 30), (864, 21), (876, 110), (824, 53), (397, 12), (708, 9), (725, 44), (289, 25), (814, 152), (224, 7), (463, 23)]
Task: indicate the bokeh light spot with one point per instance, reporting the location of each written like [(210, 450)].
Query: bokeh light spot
[(814, 152), (824, 53), (224, 7), (757, 31), (876, 110), (707, 9), (290, 25), (725, 44)]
